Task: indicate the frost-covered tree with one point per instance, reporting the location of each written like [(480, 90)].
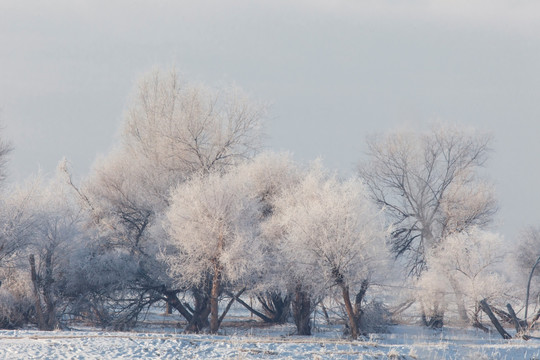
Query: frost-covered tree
[(171, 131), (213, 223), (17, 221), (331, 236), (464, 268), (428, 182), (185, 128), (48, 226)]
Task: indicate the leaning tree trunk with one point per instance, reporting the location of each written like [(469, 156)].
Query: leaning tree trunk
[(174, 303), (350, 312), (301, 306), (485, 307), (353, 325)]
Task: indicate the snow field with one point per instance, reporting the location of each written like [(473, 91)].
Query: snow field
[(404, 342)]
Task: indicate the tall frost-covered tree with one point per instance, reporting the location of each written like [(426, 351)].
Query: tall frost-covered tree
[(185, 128), (214, 228), (331, 236), (172, 130), (428, 182)]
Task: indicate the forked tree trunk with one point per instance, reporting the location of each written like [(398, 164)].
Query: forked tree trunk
[(301, 306)]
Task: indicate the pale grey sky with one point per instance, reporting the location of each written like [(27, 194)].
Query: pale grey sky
[(335, 71)]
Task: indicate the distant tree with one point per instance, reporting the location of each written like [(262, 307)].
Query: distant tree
[(429, 185), (214, 228), (331, 236)]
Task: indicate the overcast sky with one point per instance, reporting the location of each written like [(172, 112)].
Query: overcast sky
[(335, 72)]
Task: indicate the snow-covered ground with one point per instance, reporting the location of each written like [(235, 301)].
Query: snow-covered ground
[(402, 342)]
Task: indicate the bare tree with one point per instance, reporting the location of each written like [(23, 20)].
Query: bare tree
[(428, 184)]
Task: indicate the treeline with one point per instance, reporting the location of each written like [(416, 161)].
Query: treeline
[(187, 212)]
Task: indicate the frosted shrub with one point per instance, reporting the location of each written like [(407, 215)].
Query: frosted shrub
[(15, 310), (16, 304), (376, 318)]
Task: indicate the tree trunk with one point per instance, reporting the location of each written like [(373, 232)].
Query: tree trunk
[(48, 297), (173, 302), (301, 306), (350, 312), (252, 310), (485, 307), (199, 319), (39, 311), (462, 311), (214, 299), (436, 319), (519, 324), (358, 311)]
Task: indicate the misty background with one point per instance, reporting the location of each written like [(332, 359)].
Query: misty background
[(334, 72)]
